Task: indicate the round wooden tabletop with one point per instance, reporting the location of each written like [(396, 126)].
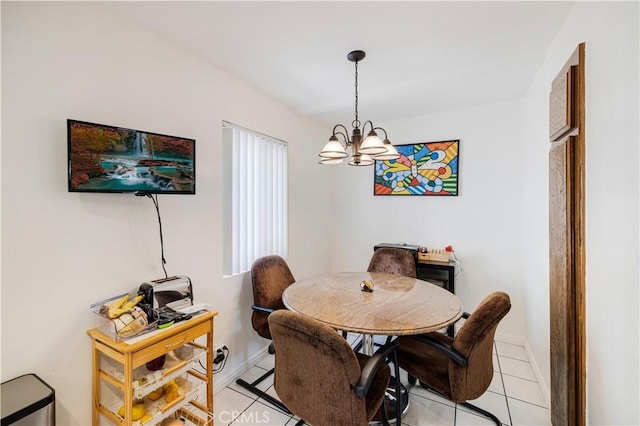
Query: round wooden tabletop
[(397, 305)]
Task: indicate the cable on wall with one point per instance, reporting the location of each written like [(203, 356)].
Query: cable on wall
[(155, 203)]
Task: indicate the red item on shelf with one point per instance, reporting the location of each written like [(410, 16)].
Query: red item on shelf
[(156, 364)]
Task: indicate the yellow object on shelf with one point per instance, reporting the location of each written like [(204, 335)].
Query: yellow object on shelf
[(169, 387), (156, 394), (139, 410), (146, 418), (171, 396)]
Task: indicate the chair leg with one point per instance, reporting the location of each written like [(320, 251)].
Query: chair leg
[(300, 422), (251, 387), (385, 415), (398, 388), (388, 340), (358, 346), (412, 379), (483, 412)]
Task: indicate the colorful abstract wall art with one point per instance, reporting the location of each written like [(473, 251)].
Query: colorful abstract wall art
[(429, 168)]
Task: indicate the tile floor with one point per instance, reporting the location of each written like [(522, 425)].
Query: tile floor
[(513, 396)]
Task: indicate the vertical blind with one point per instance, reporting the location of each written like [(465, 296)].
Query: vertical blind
[(258, 197)]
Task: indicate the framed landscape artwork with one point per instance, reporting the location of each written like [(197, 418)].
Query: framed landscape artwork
[(427, 169)]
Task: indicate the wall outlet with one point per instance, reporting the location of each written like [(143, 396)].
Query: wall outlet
[(220, 353)]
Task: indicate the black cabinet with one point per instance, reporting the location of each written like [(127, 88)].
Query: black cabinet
[(441, 273)]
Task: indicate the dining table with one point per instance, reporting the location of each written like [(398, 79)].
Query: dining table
[(374, 304)]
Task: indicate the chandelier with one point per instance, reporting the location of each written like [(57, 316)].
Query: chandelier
[(363, 153)]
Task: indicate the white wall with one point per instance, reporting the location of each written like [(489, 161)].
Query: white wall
[(610, 31), (483, 223), (61, 250)]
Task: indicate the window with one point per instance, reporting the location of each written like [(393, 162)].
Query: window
[(255, 197)]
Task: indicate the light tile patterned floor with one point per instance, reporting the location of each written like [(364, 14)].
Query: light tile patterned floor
[(513, 396)]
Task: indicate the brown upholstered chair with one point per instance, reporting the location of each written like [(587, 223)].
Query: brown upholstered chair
[(393, 261), (321, 379), (460, 369), (270, 276)]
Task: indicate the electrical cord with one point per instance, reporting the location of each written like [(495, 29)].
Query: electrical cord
[(455, 260), (225, 352), (155, 203)]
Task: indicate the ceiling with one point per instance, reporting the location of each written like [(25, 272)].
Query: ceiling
[(422, 57)]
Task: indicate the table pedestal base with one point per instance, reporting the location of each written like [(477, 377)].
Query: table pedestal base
[(390, 403), (390, 397)]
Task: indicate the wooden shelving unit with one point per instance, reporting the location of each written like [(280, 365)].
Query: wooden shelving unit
[(115, 363)]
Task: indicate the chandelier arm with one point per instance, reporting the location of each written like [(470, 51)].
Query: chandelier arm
[(380, 128), (339, 125), (364, 126), (344, 135)]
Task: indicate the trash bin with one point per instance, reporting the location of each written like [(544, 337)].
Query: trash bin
[(27, 401)]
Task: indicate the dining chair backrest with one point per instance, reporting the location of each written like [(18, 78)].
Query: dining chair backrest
[(270, 276), (393, 261), (474, 341), (316, 372)]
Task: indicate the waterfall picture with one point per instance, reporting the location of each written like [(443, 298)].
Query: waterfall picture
[(114, 159), (140, 145)]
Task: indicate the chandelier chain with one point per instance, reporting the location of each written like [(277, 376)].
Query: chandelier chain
[(356, 122)]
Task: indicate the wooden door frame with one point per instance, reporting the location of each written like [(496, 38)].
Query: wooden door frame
[(569, 124), (579, 185)]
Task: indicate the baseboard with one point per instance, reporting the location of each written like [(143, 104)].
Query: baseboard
[(536, 370), (504, 338), (222, 381)]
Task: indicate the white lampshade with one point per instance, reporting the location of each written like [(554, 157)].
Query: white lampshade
[(372, 144), (333, 149), (391, 154), (330, 161), (365, 160)]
